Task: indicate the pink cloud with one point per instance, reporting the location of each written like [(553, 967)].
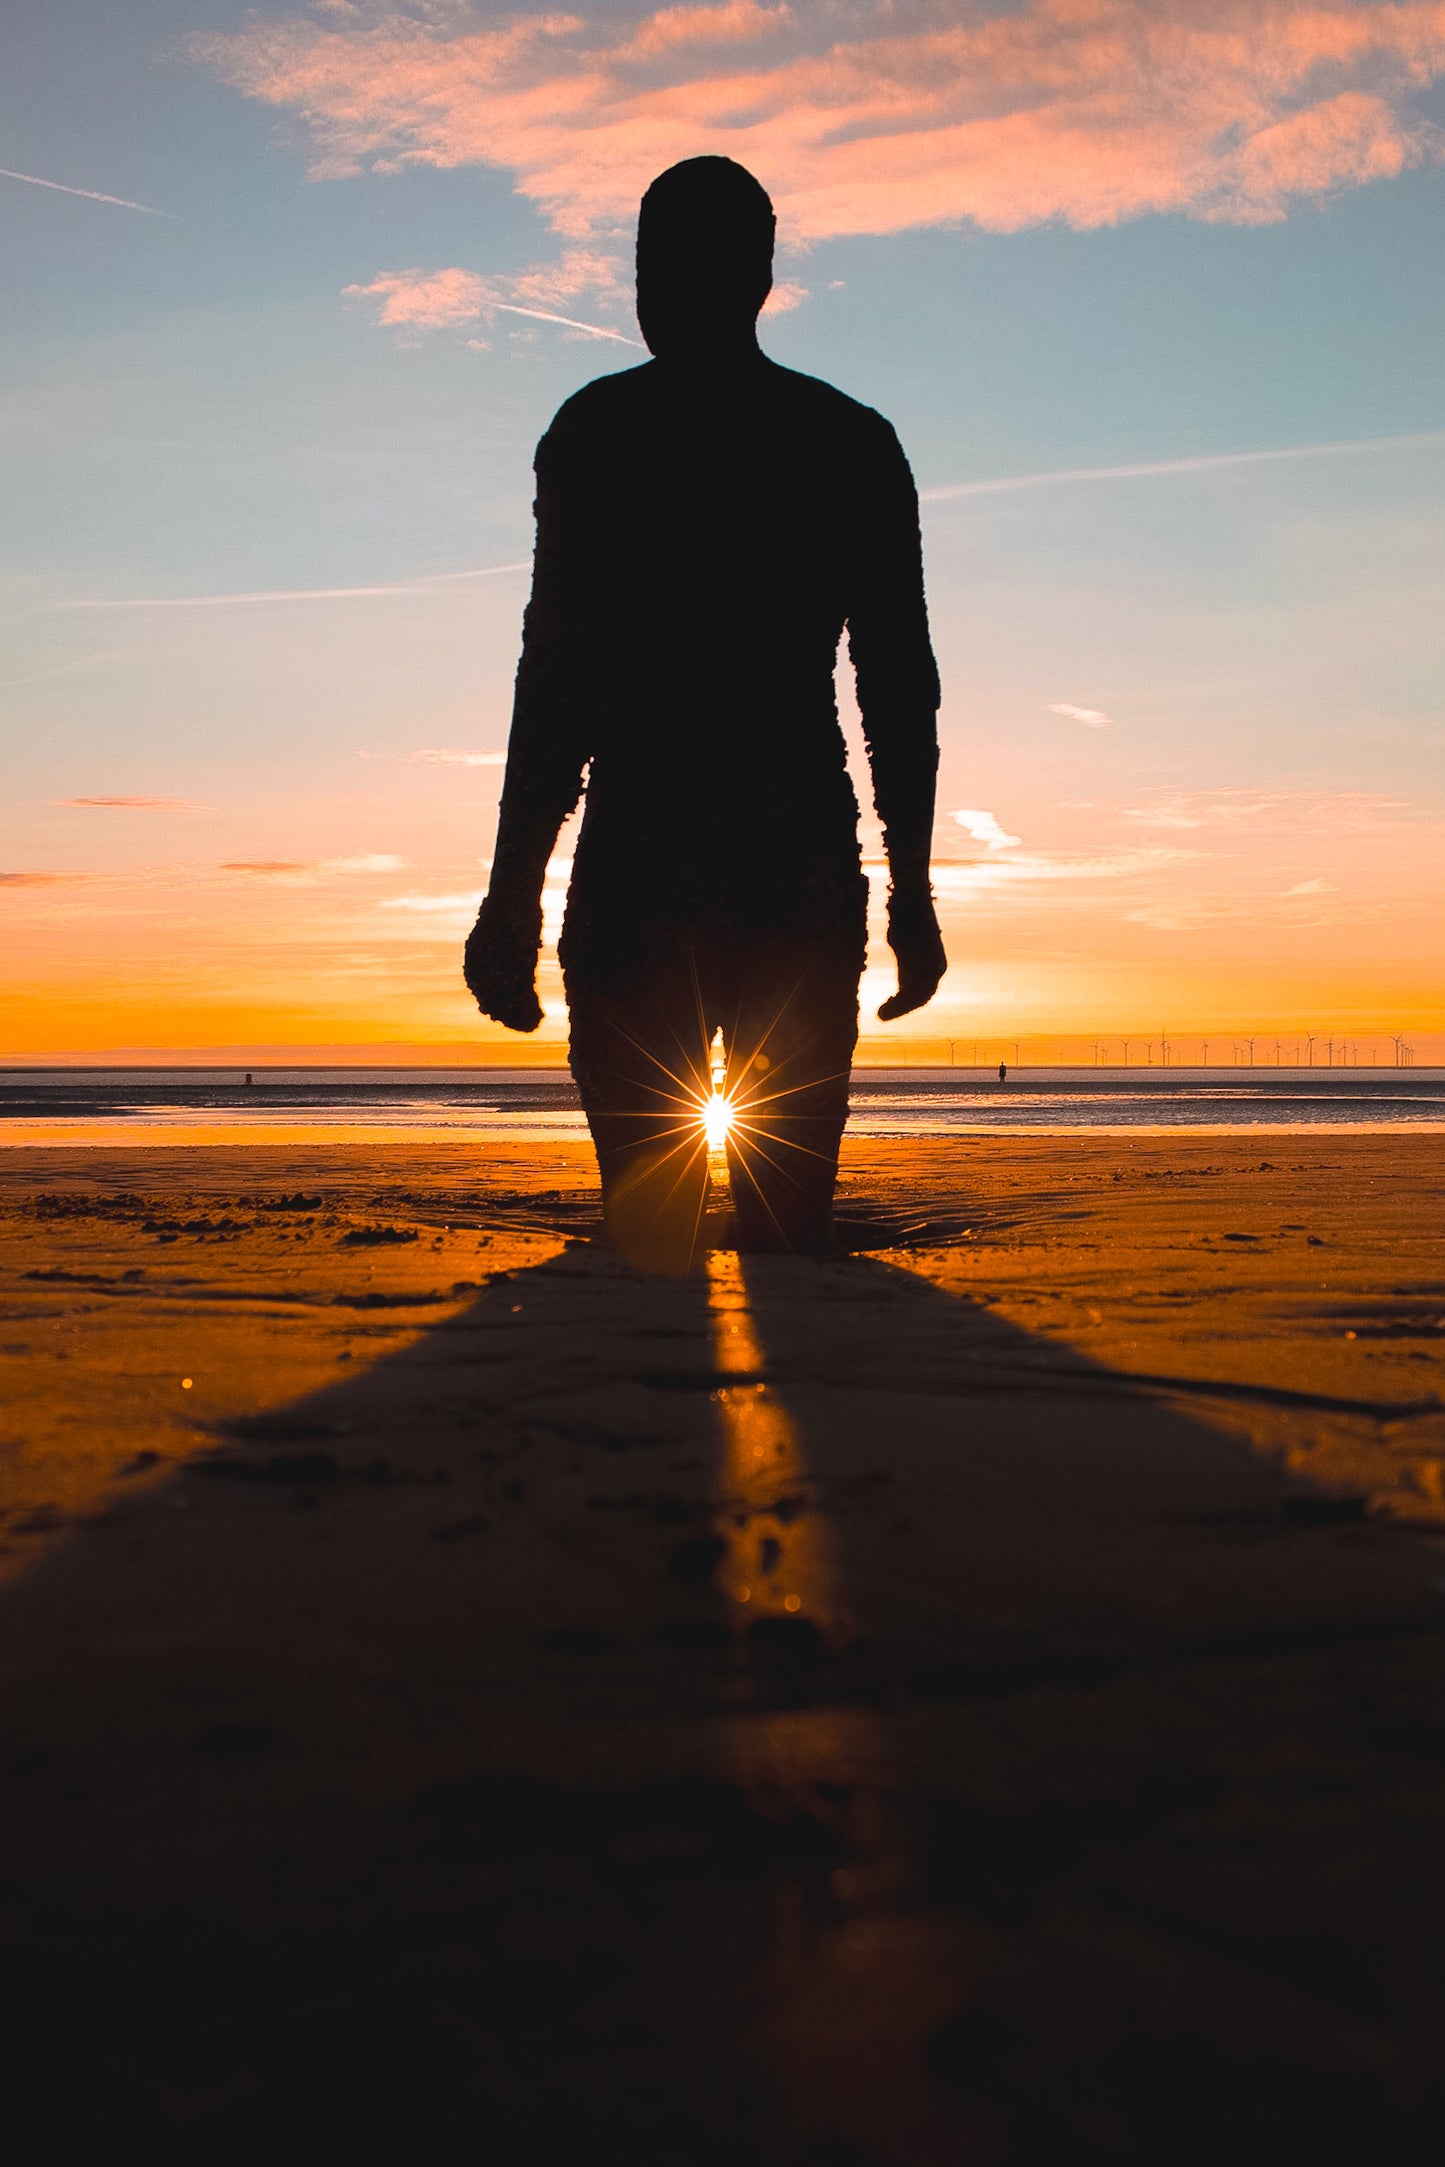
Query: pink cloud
[(432, 298), (580, 271), (1087, 111), (437, 299), (737, 23), (786, 294)]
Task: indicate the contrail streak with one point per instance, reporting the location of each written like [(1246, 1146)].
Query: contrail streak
[(545, 316), (1198, 465), (297, 594), (90, 194)]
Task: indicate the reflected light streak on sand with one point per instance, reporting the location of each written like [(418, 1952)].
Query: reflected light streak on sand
[(857, 1980), (780, 1562)]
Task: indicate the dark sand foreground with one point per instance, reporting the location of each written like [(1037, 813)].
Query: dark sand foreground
[(977, 1701)]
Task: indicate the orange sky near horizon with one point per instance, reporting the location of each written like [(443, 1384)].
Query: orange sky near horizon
[(1204, 916)]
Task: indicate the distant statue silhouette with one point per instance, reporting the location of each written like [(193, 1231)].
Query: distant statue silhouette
[(707, 524), (1003, 1072)]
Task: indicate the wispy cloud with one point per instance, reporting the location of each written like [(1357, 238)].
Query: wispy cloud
[(457, 911), (888, 115), (1184, 915), (448, 756), (91, 195), (1425, 439), (66, 669), (434, 903), (986, 830), (961, 878), (1092, 718), (569, 323), (38, 880), (139, 805), (291, 871), (1297, 908), (299, 594), (1349, 812)]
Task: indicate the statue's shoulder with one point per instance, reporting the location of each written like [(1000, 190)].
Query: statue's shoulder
[(594, 414), (824, 407)]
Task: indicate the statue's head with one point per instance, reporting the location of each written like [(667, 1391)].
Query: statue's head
[(704, 258)]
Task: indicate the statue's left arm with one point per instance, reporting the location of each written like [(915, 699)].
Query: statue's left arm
[(898, 696)]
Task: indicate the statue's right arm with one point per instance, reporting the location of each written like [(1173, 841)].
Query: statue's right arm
[(546, 755)]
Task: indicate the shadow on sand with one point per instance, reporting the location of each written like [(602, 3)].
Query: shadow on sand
[(779, 1716)]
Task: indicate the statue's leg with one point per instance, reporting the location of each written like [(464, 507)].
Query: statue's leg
[(790, 1043), (639, 1054)]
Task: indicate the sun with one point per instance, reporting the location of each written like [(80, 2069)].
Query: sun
[(716, 1111), (717, 1120)]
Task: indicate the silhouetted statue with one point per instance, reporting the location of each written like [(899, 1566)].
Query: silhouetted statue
[(707, 524)]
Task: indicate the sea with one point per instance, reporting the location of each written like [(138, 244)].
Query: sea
[(159, 1106)]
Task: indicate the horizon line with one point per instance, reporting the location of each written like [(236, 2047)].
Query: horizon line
[(149, 1058)]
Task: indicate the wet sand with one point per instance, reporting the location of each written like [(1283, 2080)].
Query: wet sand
[(974, 1700)]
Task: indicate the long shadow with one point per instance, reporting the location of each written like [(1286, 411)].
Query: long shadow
[(452, 1765), (1153, 1744)]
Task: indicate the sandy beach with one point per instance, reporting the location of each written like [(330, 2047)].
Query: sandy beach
[(949, 1703)]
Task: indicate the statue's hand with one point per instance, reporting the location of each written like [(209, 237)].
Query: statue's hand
[(500, 966), (917, 946)]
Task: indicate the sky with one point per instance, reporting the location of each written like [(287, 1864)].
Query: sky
[(1151, 289)]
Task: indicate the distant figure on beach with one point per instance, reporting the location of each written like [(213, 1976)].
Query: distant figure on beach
[(707, 525), (1003, 1072)]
